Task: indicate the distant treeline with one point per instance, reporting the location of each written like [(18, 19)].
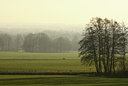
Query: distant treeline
[(38, 42)]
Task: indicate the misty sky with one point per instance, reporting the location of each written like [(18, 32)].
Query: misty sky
[(67, 12)]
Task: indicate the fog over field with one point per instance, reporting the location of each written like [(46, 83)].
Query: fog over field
[(53, 31), (34, 28), (26, 37), (63, 43)]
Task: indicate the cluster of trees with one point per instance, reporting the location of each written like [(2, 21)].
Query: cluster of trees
[(42, 43), (5, 42), (104, 45), (38, 42)]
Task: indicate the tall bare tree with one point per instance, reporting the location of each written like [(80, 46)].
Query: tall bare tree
[(103, 40)]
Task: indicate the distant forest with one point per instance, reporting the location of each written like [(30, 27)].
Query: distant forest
[(43, 42)]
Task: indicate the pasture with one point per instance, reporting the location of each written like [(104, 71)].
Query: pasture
[(12, 62), (41, 62), (20, 55), (60, 80)]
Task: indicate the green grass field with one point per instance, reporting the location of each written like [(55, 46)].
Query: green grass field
[(12, 62), (16, 55), (60, 80), (41, 62)]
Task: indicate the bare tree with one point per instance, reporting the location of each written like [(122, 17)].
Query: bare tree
[(103, 40)]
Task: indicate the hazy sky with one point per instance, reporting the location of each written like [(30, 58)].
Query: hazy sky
[(61, 11)]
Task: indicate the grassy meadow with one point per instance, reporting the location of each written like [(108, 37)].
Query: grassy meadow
[(20, 55), (60, 80), (41, 62), (13, 62)]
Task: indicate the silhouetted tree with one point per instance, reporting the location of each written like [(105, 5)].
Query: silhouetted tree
[(103, 40)]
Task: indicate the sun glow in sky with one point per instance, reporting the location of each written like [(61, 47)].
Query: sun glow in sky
[(61, 11)]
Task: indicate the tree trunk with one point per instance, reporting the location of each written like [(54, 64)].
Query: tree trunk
[(100, 66)]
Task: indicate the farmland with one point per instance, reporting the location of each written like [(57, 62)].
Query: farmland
[(60, 80), (41, 62), (18, 55), (13, 62)]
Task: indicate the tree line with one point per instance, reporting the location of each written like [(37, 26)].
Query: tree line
[(37, 42), (104, 45)]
